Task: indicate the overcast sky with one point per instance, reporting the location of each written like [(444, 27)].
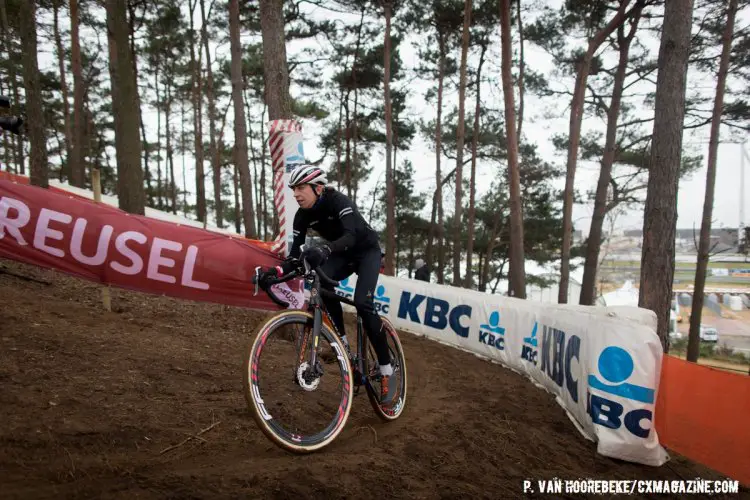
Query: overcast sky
[(539, 127)]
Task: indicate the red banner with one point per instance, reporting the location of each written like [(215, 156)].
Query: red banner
[(97, 242)]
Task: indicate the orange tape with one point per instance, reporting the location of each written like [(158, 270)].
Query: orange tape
[(703, 414)]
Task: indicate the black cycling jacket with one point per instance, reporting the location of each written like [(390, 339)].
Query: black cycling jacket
[(336, 219)]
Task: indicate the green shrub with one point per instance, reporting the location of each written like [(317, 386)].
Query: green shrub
[(724, 350)]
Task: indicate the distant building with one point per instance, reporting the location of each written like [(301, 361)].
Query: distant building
[(724, 238), (549, 294)]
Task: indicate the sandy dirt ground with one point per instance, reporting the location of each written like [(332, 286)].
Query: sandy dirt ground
[(91, 402)]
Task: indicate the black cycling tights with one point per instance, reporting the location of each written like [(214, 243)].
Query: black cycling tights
[(367, 267)]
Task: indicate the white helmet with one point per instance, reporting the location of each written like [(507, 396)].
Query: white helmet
[(307, 174)]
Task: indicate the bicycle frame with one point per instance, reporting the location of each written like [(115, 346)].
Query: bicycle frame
[(317, 308)]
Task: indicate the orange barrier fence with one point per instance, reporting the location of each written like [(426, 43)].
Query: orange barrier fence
[(704, 414)]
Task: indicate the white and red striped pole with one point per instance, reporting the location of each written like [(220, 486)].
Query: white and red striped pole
[(285, 141)]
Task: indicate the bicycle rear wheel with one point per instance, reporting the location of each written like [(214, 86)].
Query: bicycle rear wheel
[(393, 410), (299, 407)]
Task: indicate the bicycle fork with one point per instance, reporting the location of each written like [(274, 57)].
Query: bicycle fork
[(307, 373)]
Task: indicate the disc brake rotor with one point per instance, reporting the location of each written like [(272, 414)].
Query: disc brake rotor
[(307, 380)]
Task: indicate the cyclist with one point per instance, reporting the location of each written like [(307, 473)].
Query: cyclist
[(352, 246)]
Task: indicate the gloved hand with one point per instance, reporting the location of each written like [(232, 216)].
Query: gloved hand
[(290, 264), (316, 256), (266, 276)]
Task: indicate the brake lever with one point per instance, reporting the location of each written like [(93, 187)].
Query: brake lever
[(255, 280), (304, 261)]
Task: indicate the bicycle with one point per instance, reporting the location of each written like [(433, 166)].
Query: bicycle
[(357, 369)]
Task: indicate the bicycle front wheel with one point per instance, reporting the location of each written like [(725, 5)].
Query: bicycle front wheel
[(299, 405)]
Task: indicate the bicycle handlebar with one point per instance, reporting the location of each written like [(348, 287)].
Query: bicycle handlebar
[(325, 279), (294, 273), (273, 281)]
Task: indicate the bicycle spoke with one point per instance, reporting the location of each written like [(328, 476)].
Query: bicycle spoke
[(310, 407)]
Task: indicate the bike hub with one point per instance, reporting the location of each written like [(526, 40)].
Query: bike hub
[(307, 377)]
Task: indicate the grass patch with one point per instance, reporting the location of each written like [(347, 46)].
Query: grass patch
[(720, 352)]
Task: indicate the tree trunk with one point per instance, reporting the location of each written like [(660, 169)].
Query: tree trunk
[(220, 139), (275, 219), (18, 155), (411, 252), (92, 140), (432, 229), (159, 186), (469, 278), (390, 188), (460, 131), (76, 166), (480, 265), (237, 208), (184, 150), (517, 285), (146, 168), (170, 157), (348, 167), (498, 277), (521, 71), (215, 153), (275, 70), (350, 119), (125, 110), (398, 252), (7, 151), (257, 191), (258, 199), (491, 247), (263, 174), (660, 213), (576, 118), (253, 157), (36, 123), (588, 287), (437, 229), (355, 159), (339, 138), (63, 88), (131, 7), (440, 271), (240, 128), (200, 176), (693, 349)]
